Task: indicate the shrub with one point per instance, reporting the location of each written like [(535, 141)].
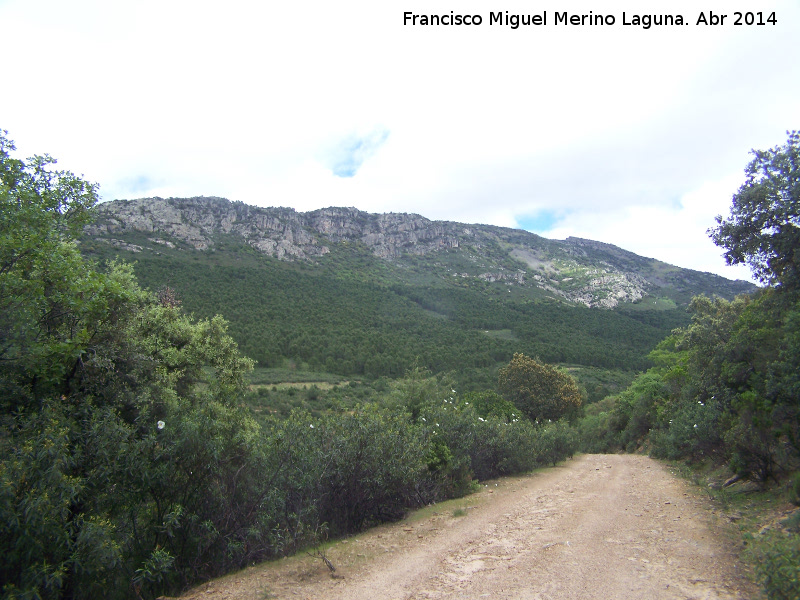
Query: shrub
[(491, 404), (485, 448), (374, 458), (542, 391), (794, 490), (556, 441), (343, 470), (596, 435), (777, 560), (693, 431)]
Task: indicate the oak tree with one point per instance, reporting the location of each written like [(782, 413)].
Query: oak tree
[(763, 230), (540, 390)]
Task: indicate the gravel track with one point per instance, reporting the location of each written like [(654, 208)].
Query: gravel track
[(599, 526)]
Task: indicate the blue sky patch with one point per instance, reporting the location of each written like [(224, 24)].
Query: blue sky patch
[(350, 153), (540, 222)]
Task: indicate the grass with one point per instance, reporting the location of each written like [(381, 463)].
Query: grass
[(291, 374), (502, 334), (456, 505), (650, 303), (320, 397)]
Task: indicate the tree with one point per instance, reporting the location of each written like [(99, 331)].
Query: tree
[(41, 273), (763, 230), (125, 459), (539, 390)]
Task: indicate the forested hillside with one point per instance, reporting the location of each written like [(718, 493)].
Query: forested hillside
[(130, 462), (374, 295), (138, 455), (293, 311)]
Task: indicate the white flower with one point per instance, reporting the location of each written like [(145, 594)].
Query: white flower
[(160, 424), (312, 427), (695, 425), (424, 419)]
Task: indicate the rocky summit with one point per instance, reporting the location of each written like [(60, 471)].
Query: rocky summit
[(575, 270)]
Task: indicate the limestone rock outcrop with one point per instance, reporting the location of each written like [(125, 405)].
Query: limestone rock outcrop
[(577, 270)]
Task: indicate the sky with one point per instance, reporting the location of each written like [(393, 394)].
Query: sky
[(628, 135)]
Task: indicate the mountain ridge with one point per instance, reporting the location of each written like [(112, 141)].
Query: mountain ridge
[(576, 270)]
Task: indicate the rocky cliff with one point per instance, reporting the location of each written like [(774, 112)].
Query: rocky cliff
[(576, 270)]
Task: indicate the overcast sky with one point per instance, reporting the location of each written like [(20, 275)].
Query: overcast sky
[(632, 136)]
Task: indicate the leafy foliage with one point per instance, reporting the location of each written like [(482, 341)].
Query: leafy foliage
[(541, 391), (723, 388), (128, 464), (777, 561), (121, 440), (763, 230), (726, 386)]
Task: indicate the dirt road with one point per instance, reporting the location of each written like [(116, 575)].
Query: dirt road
[(601, 526)]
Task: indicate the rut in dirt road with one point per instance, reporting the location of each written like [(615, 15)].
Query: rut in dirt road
[(601, 527)]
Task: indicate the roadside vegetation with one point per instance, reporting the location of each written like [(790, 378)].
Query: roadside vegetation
[(142, 452), (139, 455), (724, 394)]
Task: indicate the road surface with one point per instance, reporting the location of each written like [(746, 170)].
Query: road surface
[(601, 527)]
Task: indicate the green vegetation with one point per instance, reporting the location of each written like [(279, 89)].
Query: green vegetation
[(769, 528), (131, 459), (141, 452), (540, 391), (323, 322), (724, 390), (763, 230)]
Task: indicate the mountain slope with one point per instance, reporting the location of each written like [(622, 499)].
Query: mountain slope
[(347, 292), (576, 270)]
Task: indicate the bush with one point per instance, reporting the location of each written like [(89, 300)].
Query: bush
[(596, 435), (44, 541), (794, 490), (634, 412), (491, 404), (374, 459), (693, 431), (485, 448), (556, 442), (777, 560), (542, 391), (345, 471)]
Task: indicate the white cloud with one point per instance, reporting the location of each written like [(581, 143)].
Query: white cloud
[(676, 233), (620, 132)]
